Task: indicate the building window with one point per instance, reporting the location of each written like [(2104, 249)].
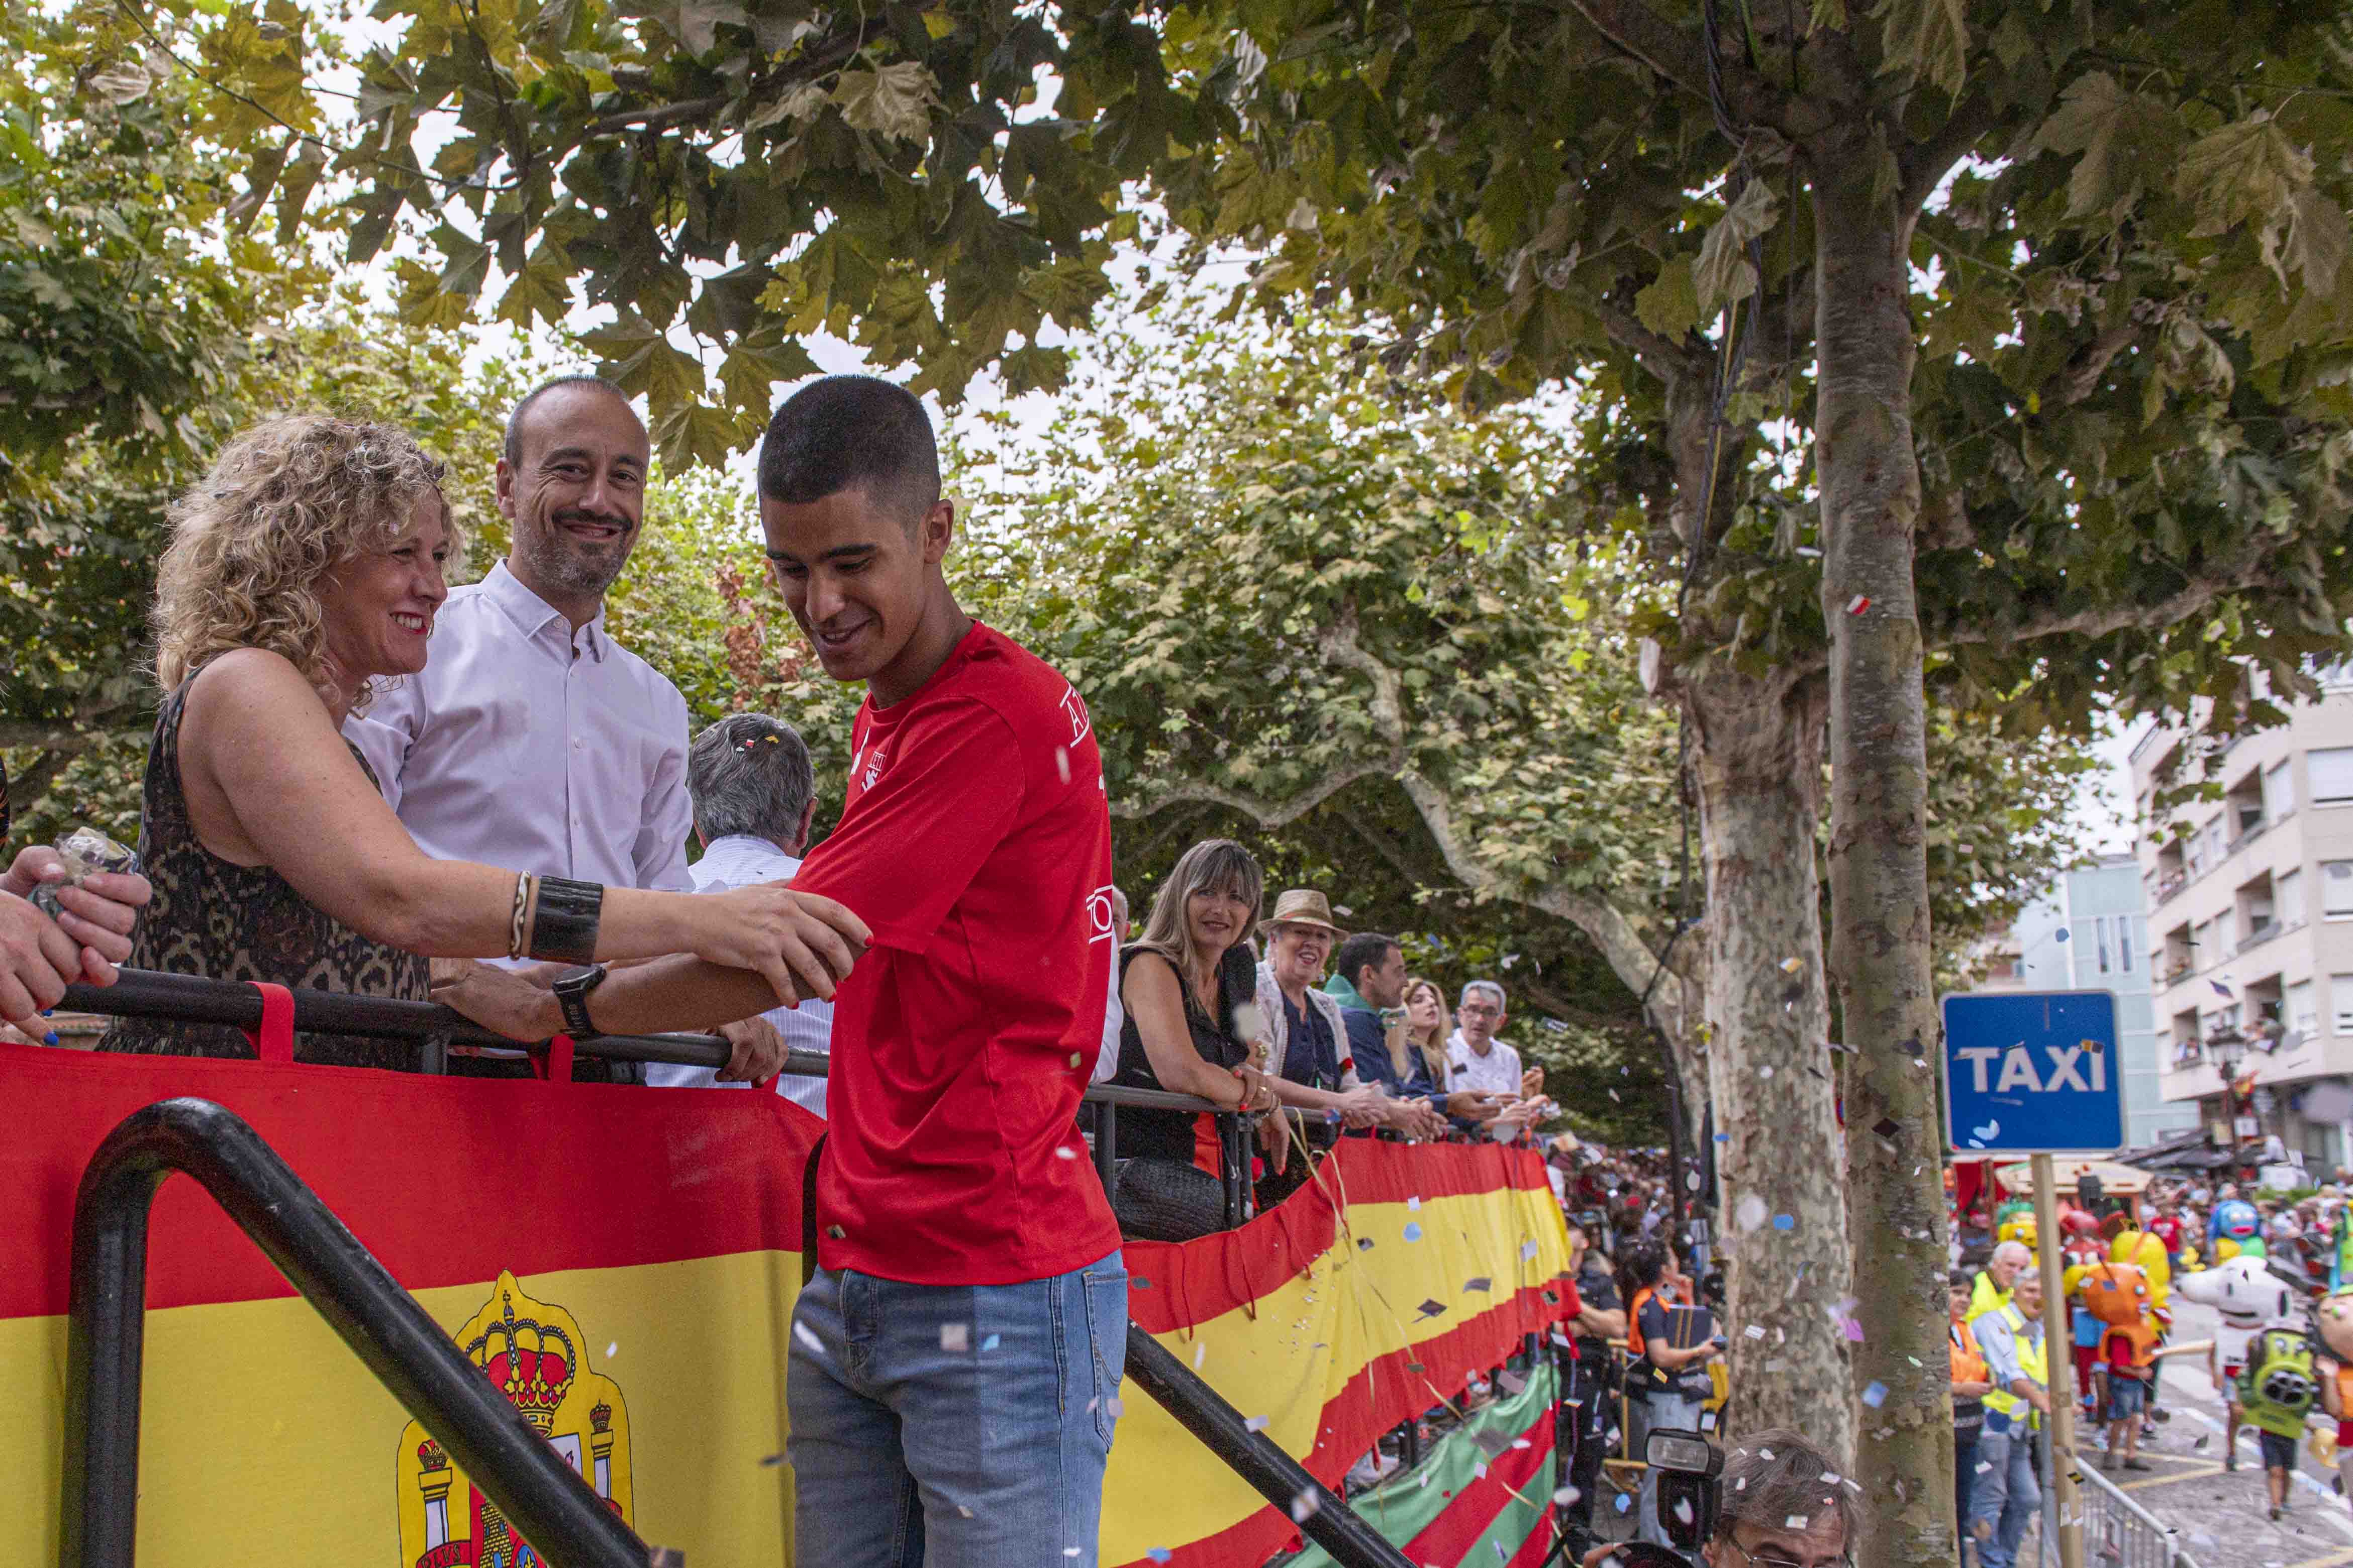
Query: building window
[(2340, 1003), (2124, 943), (2336, 889), (2100, 940), (2298, 1010), (2331, 773), (2279, 790), (2287, 901)]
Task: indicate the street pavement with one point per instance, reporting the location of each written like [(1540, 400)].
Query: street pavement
[(2222, 1514)]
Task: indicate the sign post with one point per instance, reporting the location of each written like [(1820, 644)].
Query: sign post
[(2037, 1073)]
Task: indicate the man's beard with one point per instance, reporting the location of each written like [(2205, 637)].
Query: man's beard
[(575, 567)]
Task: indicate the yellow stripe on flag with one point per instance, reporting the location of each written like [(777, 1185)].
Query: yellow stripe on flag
[(263, 1439)]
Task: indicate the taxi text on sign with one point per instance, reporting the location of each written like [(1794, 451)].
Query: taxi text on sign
[(2031, 1072)]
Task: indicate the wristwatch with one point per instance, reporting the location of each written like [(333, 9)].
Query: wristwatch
[(572, 988)]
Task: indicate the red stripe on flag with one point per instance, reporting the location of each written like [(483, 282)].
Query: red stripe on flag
[(1195, 1281), (1467, 1517), (1450, 1536), (448, 1181)]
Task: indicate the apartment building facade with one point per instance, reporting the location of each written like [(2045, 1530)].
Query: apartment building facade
[(2089, 932), (2251, 919)]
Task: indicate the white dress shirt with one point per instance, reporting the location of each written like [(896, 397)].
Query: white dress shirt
[(1497, 1072), (527, 745), (738, 861)]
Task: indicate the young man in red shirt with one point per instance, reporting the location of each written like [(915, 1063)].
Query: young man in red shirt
[(956, 1359)]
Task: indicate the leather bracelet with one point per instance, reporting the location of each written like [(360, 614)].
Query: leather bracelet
[(563, 925)]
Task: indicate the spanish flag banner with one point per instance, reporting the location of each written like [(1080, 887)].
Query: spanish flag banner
[(1383, 1289), (1482, 1495), (623, 1262)]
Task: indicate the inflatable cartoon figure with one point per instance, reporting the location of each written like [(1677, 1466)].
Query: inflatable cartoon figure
[(2147, 1253), (2248, 1297), (2235, 1221), (2020, 1228)]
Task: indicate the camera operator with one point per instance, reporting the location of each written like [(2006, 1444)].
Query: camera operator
[(1593, 1375), (1666, 1383), (1778, 1505)]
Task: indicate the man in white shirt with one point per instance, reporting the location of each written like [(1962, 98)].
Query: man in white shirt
[(754, 794), (532, 739), (1485, 1065)]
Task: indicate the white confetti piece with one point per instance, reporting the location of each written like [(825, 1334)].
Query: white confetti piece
[(1255, 1424), (1062, 764), (955, 1338), (808, 1336), (1304, 1505)]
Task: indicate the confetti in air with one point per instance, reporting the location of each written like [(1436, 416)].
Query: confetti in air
[(955, 1338), (808, 1336), (1875, 1395), (1304, 1506)]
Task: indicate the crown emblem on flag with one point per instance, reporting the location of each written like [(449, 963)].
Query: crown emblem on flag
[(532, 1362), (429, 1455)]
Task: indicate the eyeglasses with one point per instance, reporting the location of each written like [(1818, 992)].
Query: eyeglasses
[(1774, 1557)]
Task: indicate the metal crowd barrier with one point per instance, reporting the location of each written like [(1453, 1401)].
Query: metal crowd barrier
[(189, 998), (407, 1352), (2120, 1533)]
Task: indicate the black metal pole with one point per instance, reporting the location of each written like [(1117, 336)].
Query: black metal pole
[(1328, 1521), (1106, 1119), (489, 1437)]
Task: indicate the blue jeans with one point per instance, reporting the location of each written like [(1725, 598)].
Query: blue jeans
[(2005, 1497), (954, 1425), (1651, 1411)]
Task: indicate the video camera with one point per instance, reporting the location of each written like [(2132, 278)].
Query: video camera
[(1687, 1466)]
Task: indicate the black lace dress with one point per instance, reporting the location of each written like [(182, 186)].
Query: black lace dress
[(212, 918)]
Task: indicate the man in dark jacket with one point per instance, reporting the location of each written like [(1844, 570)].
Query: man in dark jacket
[(1369, 978)]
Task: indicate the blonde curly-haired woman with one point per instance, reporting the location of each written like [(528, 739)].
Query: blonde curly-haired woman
[(305, 566)]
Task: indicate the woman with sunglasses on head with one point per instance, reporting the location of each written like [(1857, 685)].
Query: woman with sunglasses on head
[(1188, 986)]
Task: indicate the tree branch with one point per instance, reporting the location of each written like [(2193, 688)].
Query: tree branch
[(1672, 360), (2099, 620), (1924, 164), (1266, 814), (693, 111), (47, 736), (1678, 56)]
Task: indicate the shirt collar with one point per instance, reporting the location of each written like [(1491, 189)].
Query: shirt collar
[(531, 613), (737, 859)]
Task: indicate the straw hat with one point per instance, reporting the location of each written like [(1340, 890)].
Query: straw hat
[(1301, 907)]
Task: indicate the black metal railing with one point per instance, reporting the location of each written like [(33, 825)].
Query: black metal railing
[(189, 998), (425, 1371), (1318, 1510)]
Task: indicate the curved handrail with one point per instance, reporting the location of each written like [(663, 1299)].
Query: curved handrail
[(105, 1341), (191, 998)]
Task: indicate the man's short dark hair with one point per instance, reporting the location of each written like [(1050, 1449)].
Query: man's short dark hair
[(852, 432), (1774, 1477), (513, 449), (1365, 950), (749, 775)]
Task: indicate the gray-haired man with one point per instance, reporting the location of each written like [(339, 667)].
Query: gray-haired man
[(755, 794), (1483, 1064)]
